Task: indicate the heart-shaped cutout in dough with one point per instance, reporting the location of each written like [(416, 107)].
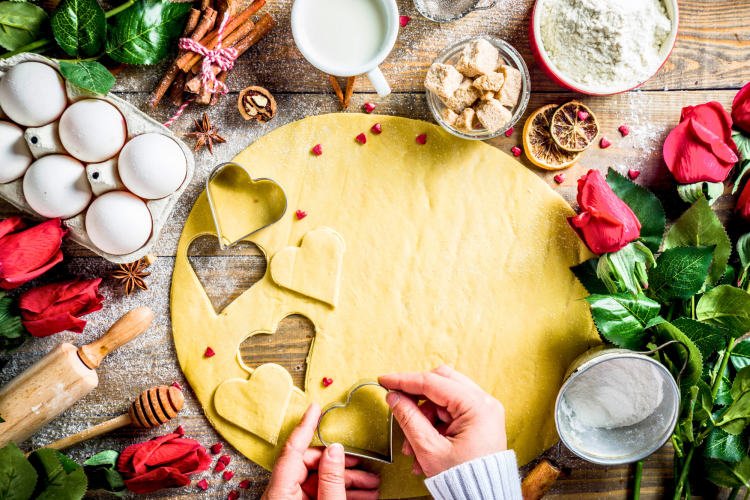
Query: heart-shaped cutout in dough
[(257, 404), (242, 205), (314, 268)]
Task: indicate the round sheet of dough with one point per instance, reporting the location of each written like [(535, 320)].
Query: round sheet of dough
[(455, 254)]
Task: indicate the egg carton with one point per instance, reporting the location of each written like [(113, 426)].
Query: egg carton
[(102, 176)]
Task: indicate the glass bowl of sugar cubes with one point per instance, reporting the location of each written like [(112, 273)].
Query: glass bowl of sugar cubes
[(478, 88)]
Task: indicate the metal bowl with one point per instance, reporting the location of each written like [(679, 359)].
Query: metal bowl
[(622, 445)]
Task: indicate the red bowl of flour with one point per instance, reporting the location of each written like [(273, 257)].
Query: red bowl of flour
[(566, 82)]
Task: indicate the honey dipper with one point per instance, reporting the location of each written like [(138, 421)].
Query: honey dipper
[(153, 407)]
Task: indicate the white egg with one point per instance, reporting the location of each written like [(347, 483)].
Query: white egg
[(15, 156), (92, 130), (152, 166), (32, 94), (57, 186), (118, 222)]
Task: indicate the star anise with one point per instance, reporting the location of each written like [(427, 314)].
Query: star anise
[(206, 134), (131, 275)]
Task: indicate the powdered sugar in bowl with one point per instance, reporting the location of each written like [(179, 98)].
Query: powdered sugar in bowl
[(602, 47)]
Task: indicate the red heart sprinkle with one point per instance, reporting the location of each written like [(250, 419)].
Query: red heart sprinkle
[(516, 151), (404, 20), (560, 178), (300, 214), (220, 466), (582, 115), (624, 130), (605, 143), (216, 449), (229, 474), (327, 381), (225, 459), (361, 139), (244, 484), (233, 495), (318, 150), (376, 128), (180, 430), (202, 484), (209, 352), (509, 132), (369, 107), (633, 173), (422, 139), (176, 385)]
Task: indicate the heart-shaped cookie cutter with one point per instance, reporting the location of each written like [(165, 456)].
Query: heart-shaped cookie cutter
[(352, 450), (216, 170)]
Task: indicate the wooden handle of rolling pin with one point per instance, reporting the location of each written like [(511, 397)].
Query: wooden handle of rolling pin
[(538, 482), (128, 327)]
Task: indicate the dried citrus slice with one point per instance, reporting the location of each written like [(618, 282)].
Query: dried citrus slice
[(538, 144), (573, 127)]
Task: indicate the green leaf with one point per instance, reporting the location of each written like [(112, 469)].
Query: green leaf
[(691, 192), (741, 355), (726, 307), (707, 338), (89, 75), (743, 250), (679, 273), (737, 416), (685, 423), (741, 383), (79, 26), (108, 457), (586, 274), (54, 483), (644, 205), (730, 276), (102, 475), (703, 403), (743, 148), (725, 446), (146, 32), (17, 476), (727, 474), (68, 465), (622, 320), (699, 226), (20, 24), (12, 332), (676, 353)]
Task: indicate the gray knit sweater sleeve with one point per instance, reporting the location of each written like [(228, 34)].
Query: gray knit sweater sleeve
[(494, 477)]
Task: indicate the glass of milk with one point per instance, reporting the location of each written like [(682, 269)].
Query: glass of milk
[(347, 37)]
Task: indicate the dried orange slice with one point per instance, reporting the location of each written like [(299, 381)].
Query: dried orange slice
[(573, 127), (538, 143)]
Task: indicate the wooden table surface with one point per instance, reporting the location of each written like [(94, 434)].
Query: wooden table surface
[(709, 62)]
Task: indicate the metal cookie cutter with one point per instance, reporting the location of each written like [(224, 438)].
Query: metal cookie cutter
[(216, 170), (352, 450)]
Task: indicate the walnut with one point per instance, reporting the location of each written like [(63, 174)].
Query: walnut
[(256, 103)]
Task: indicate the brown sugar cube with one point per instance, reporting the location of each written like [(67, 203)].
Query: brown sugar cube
[(466, 120), (492, 82), (465, 96), (449, 116), (443, 79), (500, 62), (511, 90), (479, 57), (487, 96), (493, 115)]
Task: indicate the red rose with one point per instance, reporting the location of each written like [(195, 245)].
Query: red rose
[(163, 462), (606, 224), (741, 108), (743, 204), (54, 308), (700, 148), (28, 253)]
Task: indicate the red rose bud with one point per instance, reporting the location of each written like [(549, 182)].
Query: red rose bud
[(28, 253), (606, 224), (700, 148), (741, 108), (216, 449), (57, 307), (163, 462), (743, 204)]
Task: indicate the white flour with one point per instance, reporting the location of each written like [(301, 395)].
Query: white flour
[(615, 393), (605, 43)]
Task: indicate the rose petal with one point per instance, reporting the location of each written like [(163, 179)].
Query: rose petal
[(12, 225), (743, 204), (717, 146), (27, 254), (741, 108), (157, 479), (689, 159)]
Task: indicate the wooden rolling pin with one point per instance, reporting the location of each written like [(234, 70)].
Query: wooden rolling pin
[(153, 407), (61, 378)]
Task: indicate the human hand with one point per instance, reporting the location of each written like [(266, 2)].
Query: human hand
[(457, 423), (303, 473)]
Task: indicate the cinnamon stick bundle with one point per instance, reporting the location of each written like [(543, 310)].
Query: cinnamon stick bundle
[(337, 89), (178, 89), (349, 90)]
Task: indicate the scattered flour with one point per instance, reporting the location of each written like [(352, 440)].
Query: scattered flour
[(613, 394), (605, 43)]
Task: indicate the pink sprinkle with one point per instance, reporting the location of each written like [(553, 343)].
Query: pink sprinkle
[(509, 132), (361, 139), (176, 385), (404, 20), (327, 381), (300, 214), (225, 459), (605, 143), (516, 151), (229, 474), (202, 484), (633, 173), (582, 115), (369, 107), (422, 139), (216, 449), (220, 466), (233, 495), (560, 178), (180, 430), (624, 130), (209, 352), (318, 150), (376, 128)]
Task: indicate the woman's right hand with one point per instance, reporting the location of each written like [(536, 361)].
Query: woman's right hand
[(457, 423)]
